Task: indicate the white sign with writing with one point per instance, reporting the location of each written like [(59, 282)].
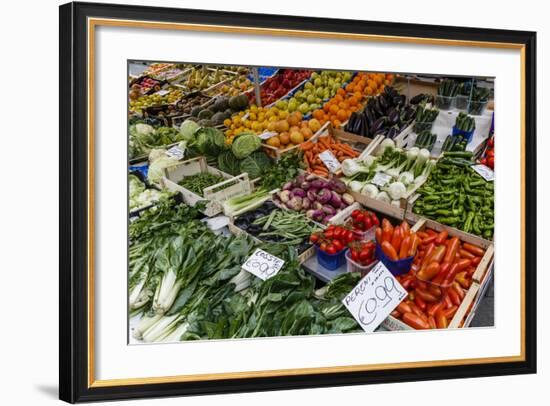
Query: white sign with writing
[(267, 135), (485, 172), (263, 264), (380, 179), (163, 92), (330, 161), (175, 152), (374, 297)]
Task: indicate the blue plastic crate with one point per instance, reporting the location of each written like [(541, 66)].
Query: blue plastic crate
[(468, 135), (399, 267), (331, 261)]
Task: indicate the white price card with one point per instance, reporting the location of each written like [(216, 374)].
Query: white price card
[(380, 179), (263, 264), (163, 92), (374, 297), (267, 135), (175, 152), (330, 161), (485, 172)]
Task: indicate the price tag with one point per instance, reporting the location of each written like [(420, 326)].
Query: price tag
[(485, 172), (380, 179), (330, 161), (163, 92), (175, 152), (263, 264), (374, 297), (267, 135)]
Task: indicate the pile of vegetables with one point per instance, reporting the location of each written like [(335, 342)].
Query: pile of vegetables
[(441, 272), (456, 143), (480, 98), (458, 196), (424, 118), (340, 150), (187, 284), (489, 155), (465, 123), (397, 242), (385, 114), (426, 140), (362, 252), (144, 137), (407, 170), (197, 183), (334, 239), (318, 198), (271, 224), (139, 196), (448, 88), (286, 169), (362, 220)]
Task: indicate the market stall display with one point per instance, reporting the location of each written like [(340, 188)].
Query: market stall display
[(335, 173)]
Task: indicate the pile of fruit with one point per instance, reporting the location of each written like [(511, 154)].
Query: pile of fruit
[(141, 103), (188, 103), (279, 85), (442, 269), (320, 87), (143, 86), (233, 87), (157, 67), (202, 78), (489, 156), (220, 110), (349, 99), (334, 239), (397, 242), (290, 128)]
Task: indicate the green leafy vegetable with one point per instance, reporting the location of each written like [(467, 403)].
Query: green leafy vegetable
[(197, 183), (245, 144), (255, 164), (228, 163)]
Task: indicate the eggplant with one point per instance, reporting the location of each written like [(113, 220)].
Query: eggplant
[(369, 114), (417, 99), (399, 100), (358, 125), (378, 124), (378, 107), (393, 116), (383, 102), (364, 129)]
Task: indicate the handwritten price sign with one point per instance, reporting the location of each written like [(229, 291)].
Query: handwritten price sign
[(374, 297), (263, 264), (330, 161)]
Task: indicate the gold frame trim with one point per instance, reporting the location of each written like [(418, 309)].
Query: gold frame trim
[(93, 22)]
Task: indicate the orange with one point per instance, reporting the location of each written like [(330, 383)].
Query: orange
[(326, 107), (352, 101), (341, 91), (336, 123), (318, 114), (368, 91), (342, 115), (338, 98), (333, 109), (274, 142), (284, 138), (343, 105), (349, 87)]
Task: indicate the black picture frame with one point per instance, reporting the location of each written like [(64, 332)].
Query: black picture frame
[(73, 288)]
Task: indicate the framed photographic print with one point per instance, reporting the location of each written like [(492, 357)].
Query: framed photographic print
[(255, 202)]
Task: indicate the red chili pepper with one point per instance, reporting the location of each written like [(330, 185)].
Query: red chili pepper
[(442, 237), (415, 321)]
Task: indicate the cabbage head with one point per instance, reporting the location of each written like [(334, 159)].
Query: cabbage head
[(255, 164), (228, 163), (245, 144), (187, 130), (209, 141)]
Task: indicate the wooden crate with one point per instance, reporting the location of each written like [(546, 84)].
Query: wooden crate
[(471, 300), (278, 152), (215, 195), (303, 257)]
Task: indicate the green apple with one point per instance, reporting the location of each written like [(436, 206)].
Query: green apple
[(303, 108), (282, 104), (308, 85), (311, 98)]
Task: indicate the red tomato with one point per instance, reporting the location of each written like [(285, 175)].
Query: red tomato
[(368, 223), (323, 247), (314, 238), (364, 255), (355, 213), (329, 233), (375, 220), (338, 232), (491, 162), (338, 245), (331, 249), (360, 218)]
